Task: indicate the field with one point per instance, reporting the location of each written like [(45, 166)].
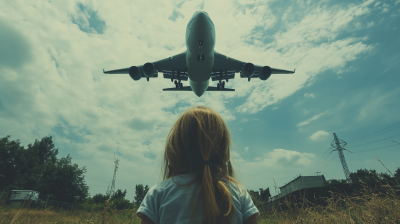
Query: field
[(366, 207)]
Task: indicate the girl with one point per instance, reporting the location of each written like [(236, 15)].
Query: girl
[(199, 184)]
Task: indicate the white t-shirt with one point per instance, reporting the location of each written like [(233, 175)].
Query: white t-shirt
[(168, 202)]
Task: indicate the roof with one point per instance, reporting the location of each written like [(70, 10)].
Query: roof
[(17, 195), (301, 177)]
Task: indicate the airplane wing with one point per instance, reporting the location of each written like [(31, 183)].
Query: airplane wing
[(166, 66), (225, 68)]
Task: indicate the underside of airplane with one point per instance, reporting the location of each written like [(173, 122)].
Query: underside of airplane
[(199, 63)]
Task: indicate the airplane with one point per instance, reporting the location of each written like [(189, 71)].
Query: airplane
[(199, 62)]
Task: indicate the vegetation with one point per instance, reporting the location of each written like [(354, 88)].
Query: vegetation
[(370, 198), (38, 168), (364, 207)]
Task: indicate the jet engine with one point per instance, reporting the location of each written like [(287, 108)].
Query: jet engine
[(247, 70), (265, 73), (134, 73), (149, 69)]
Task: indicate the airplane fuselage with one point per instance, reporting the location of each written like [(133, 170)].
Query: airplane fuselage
[(200, 42)]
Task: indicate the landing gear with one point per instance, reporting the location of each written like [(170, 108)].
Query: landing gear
[(249, 79), (178, 84), (147, 79), (221, 85)]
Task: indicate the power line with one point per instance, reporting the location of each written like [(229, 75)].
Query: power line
[(321, 167), (376, 148), (322, 158), (359, 139), (372, 142)]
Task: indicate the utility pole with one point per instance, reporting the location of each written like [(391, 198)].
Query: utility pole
[(385, 166), (339, 144), (111, 192)]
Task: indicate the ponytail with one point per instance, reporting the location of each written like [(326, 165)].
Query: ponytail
[(216, 211)]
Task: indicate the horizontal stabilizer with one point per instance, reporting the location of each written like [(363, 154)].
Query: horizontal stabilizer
[(212, 88), (185, 88), (188, 88)]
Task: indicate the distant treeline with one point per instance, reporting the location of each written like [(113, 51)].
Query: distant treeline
[(38, 168)]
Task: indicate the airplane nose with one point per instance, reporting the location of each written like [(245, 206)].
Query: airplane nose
[(201, 19)]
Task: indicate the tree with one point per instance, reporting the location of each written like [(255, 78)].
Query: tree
[(64, 180), (140, 193), (100, 198), (265, 194), (11, 161), (37, 168), (397, 173), (364, 175), (119, 194), (44, 150)]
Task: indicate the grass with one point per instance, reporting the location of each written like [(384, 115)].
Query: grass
[(366, 206)]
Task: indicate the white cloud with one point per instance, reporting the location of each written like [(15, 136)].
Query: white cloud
[(61, 85), (315, 117), (319, 135), (305, 111), (312, 45), (246, 149), (309, 95)]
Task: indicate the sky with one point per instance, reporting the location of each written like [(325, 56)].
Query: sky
[(346, 57)]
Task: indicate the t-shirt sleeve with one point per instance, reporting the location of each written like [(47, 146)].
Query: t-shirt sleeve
[(248, 207), (150, 205)]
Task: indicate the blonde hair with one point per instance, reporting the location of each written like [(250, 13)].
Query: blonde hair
[(199, 135)]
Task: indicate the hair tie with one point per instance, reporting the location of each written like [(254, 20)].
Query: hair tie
[(206, 162)]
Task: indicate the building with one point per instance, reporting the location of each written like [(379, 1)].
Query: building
[(19, 196), (302, 182)]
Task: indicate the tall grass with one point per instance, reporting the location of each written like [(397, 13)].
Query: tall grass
[(367, 206)]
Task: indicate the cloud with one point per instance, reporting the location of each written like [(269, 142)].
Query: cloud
[(319, 135), (315, 117), (246, 149), (312, 44), (52, 83), (309, 95), (280, 158), (14, 46)]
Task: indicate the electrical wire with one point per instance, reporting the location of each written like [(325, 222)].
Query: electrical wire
[(359, 139), (327, 162), (372, 142), (319, 161), (376, 148)]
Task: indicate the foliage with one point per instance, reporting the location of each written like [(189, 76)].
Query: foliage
[(265, 195), (37, 168), (116, 201), (119, 194), (397, 173), (365, 207), (99, 198), (140, 193)]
